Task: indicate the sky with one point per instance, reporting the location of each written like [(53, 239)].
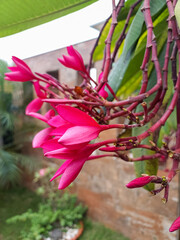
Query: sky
[(62, 32)]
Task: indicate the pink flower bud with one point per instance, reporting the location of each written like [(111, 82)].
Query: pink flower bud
[(21, 72), (139, 182), (175, 225), (74, 60)]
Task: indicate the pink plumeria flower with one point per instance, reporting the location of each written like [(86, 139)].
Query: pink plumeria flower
[(175, 225), (140, 182), (74, 60), (72, 128), (21, 72)]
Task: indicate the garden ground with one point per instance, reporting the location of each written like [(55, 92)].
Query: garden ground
[(18, 200)]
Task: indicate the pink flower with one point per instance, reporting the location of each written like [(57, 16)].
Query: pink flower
[(175, 225), (72, 128), (74, 60), (140, 182), (21, 72), (73, 165), (82, 128)]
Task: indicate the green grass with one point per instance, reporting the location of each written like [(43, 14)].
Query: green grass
[(17, 201), (12, 202), (96, 231)]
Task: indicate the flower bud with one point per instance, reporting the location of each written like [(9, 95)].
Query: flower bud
[(175, 225), (139, 182)]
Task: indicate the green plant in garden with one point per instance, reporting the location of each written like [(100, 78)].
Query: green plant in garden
[(56, 212), (11, 159)]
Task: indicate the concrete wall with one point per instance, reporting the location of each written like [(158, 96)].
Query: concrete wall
[(101, 183)]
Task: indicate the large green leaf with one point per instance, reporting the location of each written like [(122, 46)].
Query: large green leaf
[(18, 15), (98, 54), (122, 66), (149, 166), (177, 12), (133, 75)]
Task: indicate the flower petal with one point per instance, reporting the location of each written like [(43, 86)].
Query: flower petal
[(61, 153), (51, 145), (50, 114), (17, 76), (40, 93), (60, 130), (73, 52), (71, 173), (41, 137), (79, 134), (76, 116), (57, 121), (34, 106), (21, 64), (61, 169)]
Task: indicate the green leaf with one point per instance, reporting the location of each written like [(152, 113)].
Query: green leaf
[(17, 15), (133, 75), (136, 27), (177, 13), (98, 54), (149, 167), (122, 66)]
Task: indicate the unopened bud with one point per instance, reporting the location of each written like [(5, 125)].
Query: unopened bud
[(139, 182)]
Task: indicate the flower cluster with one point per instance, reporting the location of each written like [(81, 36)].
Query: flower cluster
[(69, 130)]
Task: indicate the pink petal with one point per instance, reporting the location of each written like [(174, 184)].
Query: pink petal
[(50, 114), (61, 153), (51, 145), (76, 116), (40, 93), (73, 52), (73, 63), (61, 169), (70, 173), (17, 76), (34, 106), (41, 137), (175, 225), (60, 130), (100, 77), (103, 93), (139, 182), (20, 63), (57, 121), (38, 116), (79, 134)]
